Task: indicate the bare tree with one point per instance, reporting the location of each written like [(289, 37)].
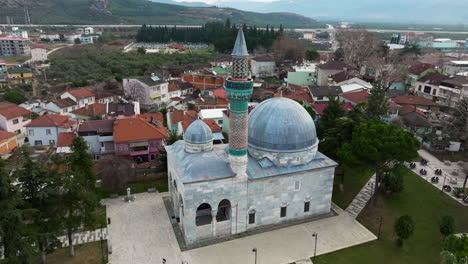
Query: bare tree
[(134, 90), (287, 49), (114, 171)]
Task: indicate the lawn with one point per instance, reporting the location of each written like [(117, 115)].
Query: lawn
[(426, 205), (136, 187), (272, 80), (354, 180), (89, 253), (15, 59)]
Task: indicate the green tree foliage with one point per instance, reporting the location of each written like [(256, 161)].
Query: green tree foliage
[(141, 50), (447, 225), (392, 179), (173, 138), (377, 103), (77, 41), (40, 192), (311, 55), (14, 96), (330, 115), (78, 199), (457, 245), (447, 257), (308, 108), (404, 228), (378, 144), (221, 35)]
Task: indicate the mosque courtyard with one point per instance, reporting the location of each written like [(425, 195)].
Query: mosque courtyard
[(141, 232)]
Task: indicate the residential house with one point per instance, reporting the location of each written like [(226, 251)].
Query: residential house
[(212, 114), (99, 135), (88, 30), (417, 71), (61, 106), (37, 106), (428, 85), (174, 90), (49, 36), (295, 92), (262, 66), (93, 111), (174, 117), (417, 122), (320, 108), (348, 82), (3, 73), (354, 98), (147, 90), (16, 32), (71, 38), (418, 101), (8, 143), (123, 109), (104, 97), (38, 53), (64, 141), (14, 46), (82, 96), (142, 146), (87, 39), (454, 67), (452, 90), (14, 118), (301, 78), (325, 70), (204, 79), (322, 94), (44, 130), (19, 75), (222, 61)]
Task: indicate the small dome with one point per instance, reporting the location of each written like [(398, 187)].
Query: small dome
[(281, 125), (198, 133)]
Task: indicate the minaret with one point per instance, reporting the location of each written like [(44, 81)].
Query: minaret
[(239, 88)]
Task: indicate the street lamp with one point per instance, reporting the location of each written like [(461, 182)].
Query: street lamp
[(254, 250), (315, 248)]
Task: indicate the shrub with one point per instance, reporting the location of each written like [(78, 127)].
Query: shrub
[(14, 96), (446, 225), (392, 180), (404, 228)]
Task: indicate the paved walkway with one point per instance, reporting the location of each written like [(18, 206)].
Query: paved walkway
[(85, 237), (141, 232), (361, 199), (447, 169)]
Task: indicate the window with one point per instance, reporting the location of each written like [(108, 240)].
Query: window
[(427, 89), (320, 98), (297, 185), (283, 211), (220, 122), (31, 132), (48, 132), (252, 218), (52, 142), (419, 88), (434, 91), (18, 131), (306, 207), (15, 121), (38, 143)]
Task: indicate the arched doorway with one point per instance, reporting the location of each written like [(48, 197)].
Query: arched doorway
[(224, 211), (203, 216)]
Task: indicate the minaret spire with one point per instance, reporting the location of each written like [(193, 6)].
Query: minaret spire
[(239, 88)]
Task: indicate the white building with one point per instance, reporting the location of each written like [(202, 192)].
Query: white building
[(147, 89), (14, 118), (262, 66), (82, 97), (71, 38), (17, 33), (49, 36), (212, 114), (45, 129), (88, 30), (454, 67), (38, 53), (62, 106), (99, 134), (87, 39)]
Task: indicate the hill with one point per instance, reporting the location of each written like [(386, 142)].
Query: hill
[(137, 12), (192, 4)]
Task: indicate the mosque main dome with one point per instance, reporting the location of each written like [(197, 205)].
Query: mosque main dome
[(281, 130)]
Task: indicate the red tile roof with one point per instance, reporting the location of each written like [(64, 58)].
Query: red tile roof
[(335, 65), (220, 93), (413, 100), (347, 106), (356, 97), (10, 111), (319, 108), (36, 46), (420, 68), (95, 109), (215, 128), (179, 116), (52, 120), (155, 116), (6, 135), (62, 103), (134, 129), (65, 139), (295, 92), (433, 78), (173, 87), (391, 104), (81, 93), (411, 108), (342, 76)]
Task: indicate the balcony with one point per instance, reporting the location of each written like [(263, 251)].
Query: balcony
[(138, 153)]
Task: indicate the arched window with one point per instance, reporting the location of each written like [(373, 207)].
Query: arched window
[(203, 215), (224, 211)]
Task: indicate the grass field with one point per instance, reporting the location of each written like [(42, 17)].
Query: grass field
[(354, 180), (15, 59), (90, 253), (136, 187), (426, 205)]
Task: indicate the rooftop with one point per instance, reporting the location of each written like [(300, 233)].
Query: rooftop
[(335, 65), (319, 108), (134, 129), (341, 76), (240, 46), (211, 113), (62, 103), (356, 97), (65, 139), (152, 116), (6, 135), (52, 120), (215, 128), (416, 119), (19, 70), (420, 68), (81, 93), (179, 116), (95, 109), (100, 126), (36, 46), (150, 80), (413, 100), (325, 90), (117, 108), (433, 78), (10, 111)]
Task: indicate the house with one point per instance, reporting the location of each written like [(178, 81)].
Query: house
[(454, 67), (262, 66), (417, 71), (19, 75), (215, 129), (320, 108), (14, 46), (222, 61), (149, 117), (174, 90), (99, 135), (61, 106), (428, 85), (71, 38), (81, 96), (3, 73), (88, 112), (417, 101), (8, 143), (123, 109), (204, 79), (354, 98), (212, 114), (49, 36), (37, 106), (14, 118), (349, 83), (452, 90), (87, 39), (104, 97), (295, 92), (147, 90), (44, 130), (325, 70), (38, 53), (174, 117), (323, 93), (416, 122), (64, 142), (88, 30), (142, 146)]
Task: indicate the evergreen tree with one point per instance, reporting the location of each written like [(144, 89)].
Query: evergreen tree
[(377, 103), (78, 199), (330, 115)]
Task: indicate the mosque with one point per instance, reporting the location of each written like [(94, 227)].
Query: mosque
[(270, 172)]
